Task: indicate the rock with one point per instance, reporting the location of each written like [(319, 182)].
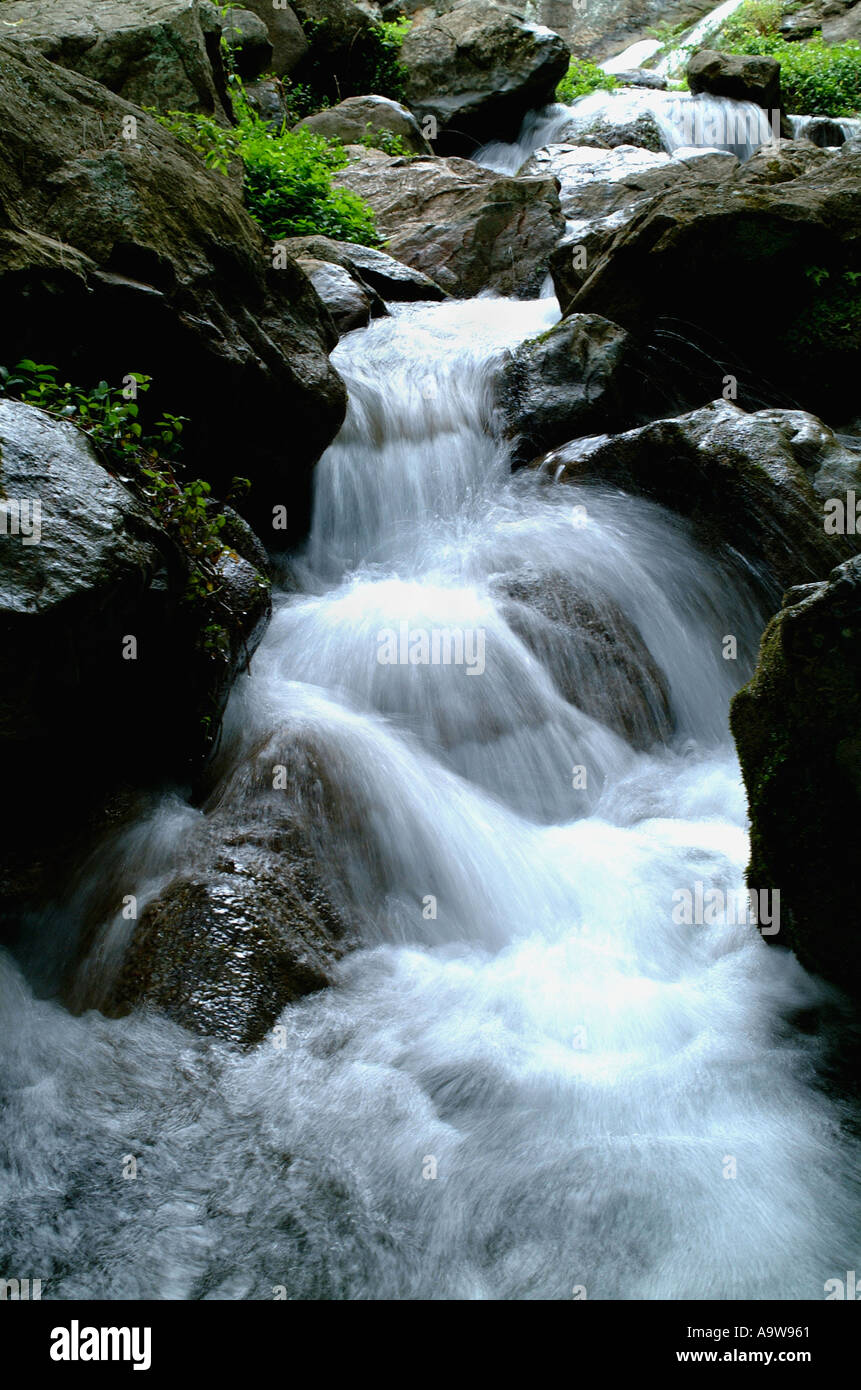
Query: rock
[(762, 262), (736, 75), (351, 303), (374, 120), (379, 272), (161, 53), (822, 131), (95, 571), (579, 378), (289, 44), (755, 483), (596, 656), (605, 28), (247, 38), (840, 27), (641, 77), (602, 131), (796, 726), (478, 69), (603, 191), (465, 227), (268, 98), (124, 255)]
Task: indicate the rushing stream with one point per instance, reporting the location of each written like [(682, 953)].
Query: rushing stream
[(530, 1079)]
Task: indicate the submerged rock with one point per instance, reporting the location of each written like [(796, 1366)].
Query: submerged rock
[(161, 53), (753, 483), (596, 656), (796, 726), (125, 254), (465, 227), (478, 69)]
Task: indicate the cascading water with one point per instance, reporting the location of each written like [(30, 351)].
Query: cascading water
[(544, 1083)]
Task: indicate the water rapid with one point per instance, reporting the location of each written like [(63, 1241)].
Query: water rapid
[(530, 1079)]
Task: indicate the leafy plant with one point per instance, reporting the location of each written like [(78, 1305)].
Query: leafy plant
[(287, 175), (581, 78), (387, 141)]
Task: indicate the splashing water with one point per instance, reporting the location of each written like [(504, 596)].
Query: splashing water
[(544, 1083)]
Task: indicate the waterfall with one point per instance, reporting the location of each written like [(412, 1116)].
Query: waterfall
[(544, 1082), (683, 121)]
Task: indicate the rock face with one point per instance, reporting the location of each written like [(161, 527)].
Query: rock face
[(247, 37), (796, 725), (161, 53), (604, 28), (478, 69), (465, 227), (77, 701), (378, 272), (596, 656), (763, 262), (286, 35), (124, 255), (578, 379), (754, 483), (736, 75), (372, 119)]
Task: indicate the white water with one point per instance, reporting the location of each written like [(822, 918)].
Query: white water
[(683, 120), (579, 1068), (674, 62)]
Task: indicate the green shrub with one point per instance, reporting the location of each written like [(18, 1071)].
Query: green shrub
[(816, 79), (581, 78), (288, 175)]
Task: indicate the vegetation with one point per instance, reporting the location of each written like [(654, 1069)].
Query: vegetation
[(373, 66), (151, 464), (832, 320), (817, 79), (287, 174), (581, 78)]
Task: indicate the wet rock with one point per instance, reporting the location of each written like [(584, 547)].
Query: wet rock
[(465, 227), (605, 133), (755, 484), (373, 120), (247, 39), (478, 69), (763, 261), (579, 378), (351, 303), (596, 656), (641, 77), (124, 255), (390, 278), (796, 726), (161, 53), (736, 75)]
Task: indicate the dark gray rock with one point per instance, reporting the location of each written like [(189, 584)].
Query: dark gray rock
[(247, 38), (391, 279)]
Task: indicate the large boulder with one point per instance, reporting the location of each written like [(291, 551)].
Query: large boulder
[(161, 53), (465, 227), (582, 377), (605, 28), (120, 252), (478, 69), (108, 673), (603, 191), (754, 484), (370, 120), (736, 75), (764, 262), (350, 301), (286, 35), (391, 279), (797, 726)]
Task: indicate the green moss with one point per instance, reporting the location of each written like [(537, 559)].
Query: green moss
[(581, 78)]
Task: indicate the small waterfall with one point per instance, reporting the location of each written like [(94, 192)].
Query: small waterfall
[(683, 120), (674, 62), (826, 131)]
